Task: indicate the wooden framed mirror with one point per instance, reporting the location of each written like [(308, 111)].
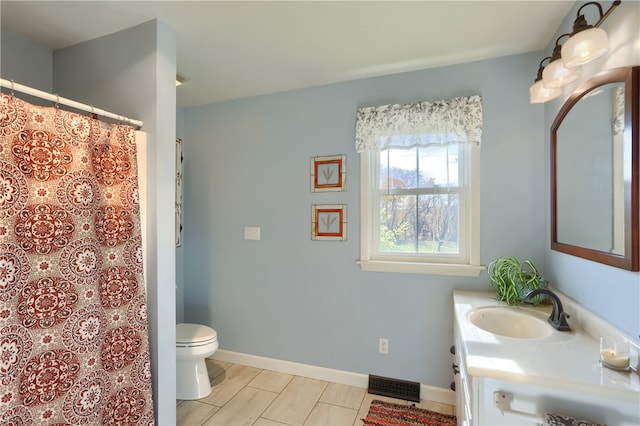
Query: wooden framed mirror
[(595, 161)]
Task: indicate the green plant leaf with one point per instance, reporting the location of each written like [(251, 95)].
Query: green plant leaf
[(512, 280)]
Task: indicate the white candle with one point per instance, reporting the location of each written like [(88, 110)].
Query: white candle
[(614, 359)]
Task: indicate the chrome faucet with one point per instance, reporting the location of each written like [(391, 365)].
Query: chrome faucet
[(558, 318)]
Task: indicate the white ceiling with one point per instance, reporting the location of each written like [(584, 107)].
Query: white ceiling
[(235, 49)]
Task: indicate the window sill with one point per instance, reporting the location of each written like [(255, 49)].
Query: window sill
[(422, 268)]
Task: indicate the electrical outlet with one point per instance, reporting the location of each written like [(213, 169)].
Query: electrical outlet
[(383, 346)]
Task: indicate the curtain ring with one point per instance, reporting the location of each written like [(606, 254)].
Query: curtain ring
[(57, 105), (13, 85)]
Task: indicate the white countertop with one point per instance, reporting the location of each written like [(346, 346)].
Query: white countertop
[(564, 360)]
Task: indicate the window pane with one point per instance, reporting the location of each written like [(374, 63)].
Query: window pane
[(420, 167), (398, 223), (384, 170), (403, 165), (438, 223), (422, 224), (438, 166)]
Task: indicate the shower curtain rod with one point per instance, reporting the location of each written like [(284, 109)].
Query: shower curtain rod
[(68, 102)]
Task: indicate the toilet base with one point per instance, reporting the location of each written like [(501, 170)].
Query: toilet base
[(192, 380)]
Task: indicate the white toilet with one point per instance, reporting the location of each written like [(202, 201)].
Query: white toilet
[(194, 342)]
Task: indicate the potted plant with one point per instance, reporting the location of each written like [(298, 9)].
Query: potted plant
[(512, 280)]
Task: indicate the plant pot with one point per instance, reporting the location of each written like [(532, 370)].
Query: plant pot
[(513, 280), (540, 299)]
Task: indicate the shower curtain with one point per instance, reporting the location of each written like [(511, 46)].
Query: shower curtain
[(73, 326)]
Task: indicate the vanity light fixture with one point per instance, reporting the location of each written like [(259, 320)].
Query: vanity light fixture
[(587, 42), (555, 75), (537, 92)]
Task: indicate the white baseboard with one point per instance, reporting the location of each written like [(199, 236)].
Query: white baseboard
[(430, 393)]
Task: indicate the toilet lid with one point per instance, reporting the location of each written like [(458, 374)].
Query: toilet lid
[(194, 333)]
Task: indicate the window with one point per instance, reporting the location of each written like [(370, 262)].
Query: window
[(420, 187)]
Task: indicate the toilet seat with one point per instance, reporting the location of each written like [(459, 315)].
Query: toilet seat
[(189, 335)]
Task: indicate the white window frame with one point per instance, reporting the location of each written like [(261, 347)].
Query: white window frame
[(469, 226)]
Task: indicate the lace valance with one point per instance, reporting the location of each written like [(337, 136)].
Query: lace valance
[(453, 121)]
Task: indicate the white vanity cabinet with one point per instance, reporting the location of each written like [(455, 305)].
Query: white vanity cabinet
[(475, 402), (531, 377), (462, 389)]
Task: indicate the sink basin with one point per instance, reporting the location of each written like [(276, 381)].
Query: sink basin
[(510, 322)]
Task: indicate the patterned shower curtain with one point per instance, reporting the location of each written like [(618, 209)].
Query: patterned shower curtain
[(73, 326)]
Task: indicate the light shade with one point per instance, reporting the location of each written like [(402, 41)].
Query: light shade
[(538, 94), (555, 75), (584, 46)]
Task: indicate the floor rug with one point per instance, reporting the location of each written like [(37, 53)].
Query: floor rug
[(390, 414)]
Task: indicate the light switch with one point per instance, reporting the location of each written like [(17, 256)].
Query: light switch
[(251, 233)]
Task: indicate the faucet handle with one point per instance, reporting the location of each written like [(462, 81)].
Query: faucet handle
[(561, 323)]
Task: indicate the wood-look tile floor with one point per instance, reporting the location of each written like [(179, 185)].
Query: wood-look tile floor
[(244, 395)]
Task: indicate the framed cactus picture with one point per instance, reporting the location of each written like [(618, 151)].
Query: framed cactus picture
[(329, 222), (329, 173)]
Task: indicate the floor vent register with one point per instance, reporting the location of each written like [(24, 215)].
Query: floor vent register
[(394, 388)]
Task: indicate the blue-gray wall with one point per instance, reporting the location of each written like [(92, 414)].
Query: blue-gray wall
[(287, 297), (611, 293), (247, 164), (26, 62), (131, 72)]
